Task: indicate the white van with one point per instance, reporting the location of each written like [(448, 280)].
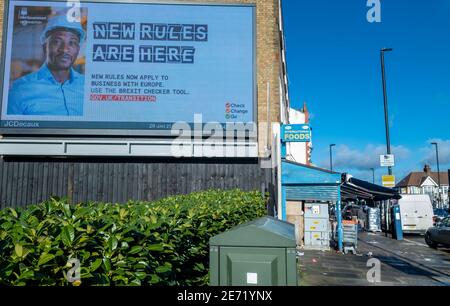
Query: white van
[(416, 212)]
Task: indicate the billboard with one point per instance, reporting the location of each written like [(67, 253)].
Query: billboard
[(72, 68)]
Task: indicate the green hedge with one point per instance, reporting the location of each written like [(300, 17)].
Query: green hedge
[(140, 243)]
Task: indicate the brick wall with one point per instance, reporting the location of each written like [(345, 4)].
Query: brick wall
[(268, 56)]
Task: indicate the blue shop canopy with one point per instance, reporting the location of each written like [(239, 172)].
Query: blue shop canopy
[(307, 183), (354, 189)]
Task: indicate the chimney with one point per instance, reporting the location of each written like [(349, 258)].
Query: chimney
[(427, 170), (306, 112)]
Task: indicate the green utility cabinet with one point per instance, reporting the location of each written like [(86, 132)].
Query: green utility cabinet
[(258, 253)]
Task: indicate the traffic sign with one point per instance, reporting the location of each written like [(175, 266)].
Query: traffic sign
[(387, 160), (388, 181)]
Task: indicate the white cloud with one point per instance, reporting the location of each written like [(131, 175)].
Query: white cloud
[(345, 157), (429, 152)]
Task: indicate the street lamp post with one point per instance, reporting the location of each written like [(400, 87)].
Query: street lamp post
[(439, 174), (373, 175), (386, 122), (386, 114), (331, 156)]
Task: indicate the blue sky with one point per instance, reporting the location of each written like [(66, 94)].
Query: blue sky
[(333, 56)]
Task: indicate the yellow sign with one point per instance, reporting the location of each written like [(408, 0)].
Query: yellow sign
[(388, 181)]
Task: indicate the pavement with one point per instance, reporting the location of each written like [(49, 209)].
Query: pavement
[(403, 263)]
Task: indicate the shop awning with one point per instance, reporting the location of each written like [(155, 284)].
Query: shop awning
[(355, 189), (303, 183)]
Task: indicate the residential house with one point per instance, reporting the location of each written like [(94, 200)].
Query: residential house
[(426, 182)]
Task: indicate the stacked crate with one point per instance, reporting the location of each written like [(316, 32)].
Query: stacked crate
[(373, 220)]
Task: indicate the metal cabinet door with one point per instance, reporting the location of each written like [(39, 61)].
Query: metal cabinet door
[(250, 266), (316, 210), (317, 239), (317, 225)]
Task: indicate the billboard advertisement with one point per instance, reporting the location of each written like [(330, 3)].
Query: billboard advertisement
[(125, 68)]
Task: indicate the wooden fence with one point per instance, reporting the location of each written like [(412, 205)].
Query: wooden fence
[(25, 181)]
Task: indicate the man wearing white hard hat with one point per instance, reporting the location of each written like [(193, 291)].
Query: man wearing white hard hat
[(56, 89)]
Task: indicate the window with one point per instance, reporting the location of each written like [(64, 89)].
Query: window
[(446, 222)]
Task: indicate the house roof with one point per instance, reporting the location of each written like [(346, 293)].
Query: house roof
[(417, 178), (429, 179)]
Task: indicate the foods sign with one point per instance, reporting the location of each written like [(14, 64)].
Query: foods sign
[(296, 133)]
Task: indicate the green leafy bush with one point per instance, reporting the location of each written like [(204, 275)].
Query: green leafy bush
[(140, 243)]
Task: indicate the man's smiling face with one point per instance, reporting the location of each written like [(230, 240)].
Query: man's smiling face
[(62, 48)]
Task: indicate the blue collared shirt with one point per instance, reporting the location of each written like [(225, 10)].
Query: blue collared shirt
[(39, 94)]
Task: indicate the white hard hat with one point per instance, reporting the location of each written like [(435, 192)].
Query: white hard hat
[(61, 22)]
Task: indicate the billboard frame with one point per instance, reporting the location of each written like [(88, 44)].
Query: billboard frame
[(24, 132)]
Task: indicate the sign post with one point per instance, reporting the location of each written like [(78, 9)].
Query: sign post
[(388, 181), (387, 160)]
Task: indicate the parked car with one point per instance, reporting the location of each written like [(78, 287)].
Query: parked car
[(439, 215), (439, 234), (416, 213)]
